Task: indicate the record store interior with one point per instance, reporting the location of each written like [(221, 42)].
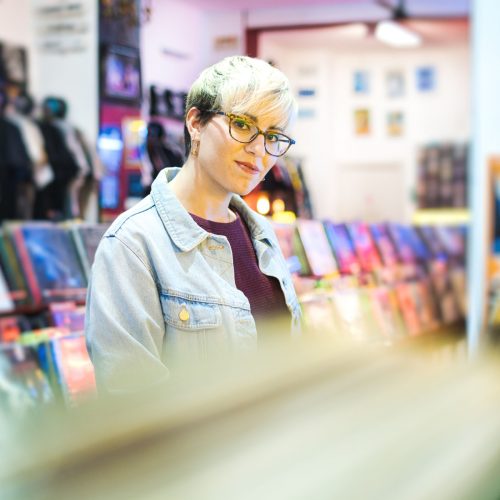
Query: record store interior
[(384, 213)]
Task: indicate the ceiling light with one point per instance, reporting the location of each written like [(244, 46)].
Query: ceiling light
[(397, 35)]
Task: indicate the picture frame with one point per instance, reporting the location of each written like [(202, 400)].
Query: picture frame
[(395, 123), (425, 77), (395, 84), (13, 65), (361, 82), (120, 74), (362, 122)]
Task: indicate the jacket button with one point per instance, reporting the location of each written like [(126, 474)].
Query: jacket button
[(184, 315)]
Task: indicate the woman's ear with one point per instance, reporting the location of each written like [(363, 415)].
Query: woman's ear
[(193, 123)]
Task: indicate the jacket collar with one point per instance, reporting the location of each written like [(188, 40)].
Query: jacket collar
[(183, 230)]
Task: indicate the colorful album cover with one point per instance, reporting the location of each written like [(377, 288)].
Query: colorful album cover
[(320, 317), (6, 302), (431, 239), (384, 244), (74, 369), (350, 305), (316, 247), (87, 238), (285, 235), (344, 251), (452, 239), (408, 308), (366, 251), (458, 278), (24, 384), (425, 305), (402, 243), (386, 313), (67, 315), (449, 308), (50, 262), (12, 269), (10, 329), (421, 250)]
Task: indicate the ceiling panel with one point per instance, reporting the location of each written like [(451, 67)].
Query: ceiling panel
[(414, 7), (259, 4)]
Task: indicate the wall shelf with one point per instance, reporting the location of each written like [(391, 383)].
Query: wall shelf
[(441, 216)]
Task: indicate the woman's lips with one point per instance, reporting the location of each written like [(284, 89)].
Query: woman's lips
[(248, 167)]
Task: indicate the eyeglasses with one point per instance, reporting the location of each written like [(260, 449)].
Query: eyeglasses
[(243, 130)]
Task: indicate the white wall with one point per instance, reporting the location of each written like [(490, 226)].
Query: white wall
[(370, 177), (220, 26), (172, 45), (66, 63), (16, 32), (71, 73)]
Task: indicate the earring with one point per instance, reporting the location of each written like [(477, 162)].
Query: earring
[(195, 148)]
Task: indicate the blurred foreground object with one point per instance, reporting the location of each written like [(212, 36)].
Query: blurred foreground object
[(301, 420)]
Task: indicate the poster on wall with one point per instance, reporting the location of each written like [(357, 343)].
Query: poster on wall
[(425, 78), (307, 92), (121, 74), (395, 84), (362, 125), (13, 65), (361, 82), (395, 123), (306, 112), (134, 134)]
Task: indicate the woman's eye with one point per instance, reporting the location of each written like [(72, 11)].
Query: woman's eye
[(272, 137), (241, 124)]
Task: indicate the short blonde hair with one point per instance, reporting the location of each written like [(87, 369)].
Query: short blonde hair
[(241, 84)]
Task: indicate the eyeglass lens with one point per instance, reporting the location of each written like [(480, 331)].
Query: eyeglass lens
[(242, 130)]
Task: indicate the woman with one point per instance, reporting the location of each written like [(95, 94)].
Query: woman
[(190, 269)]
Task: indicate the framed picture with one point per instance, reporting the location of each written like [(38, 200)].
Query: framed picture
[(120, 74), (425, 78), (307, 92), (395, 123), (361, 82), (362, 121), (395, 84), (306, 112), (13, 65)]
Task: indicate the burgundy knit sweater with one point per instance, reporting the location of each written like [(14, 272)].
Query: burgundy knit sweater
[(263, 292)]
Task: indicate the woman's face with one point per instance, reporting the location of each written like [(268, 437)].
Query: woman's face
[(232, 166)]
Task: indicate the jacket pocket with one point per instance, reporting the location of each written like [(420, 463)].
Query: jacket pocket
[(190, 315)]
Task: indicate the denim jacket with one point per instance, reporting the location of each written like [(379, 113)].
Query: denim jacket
[(162, 291)]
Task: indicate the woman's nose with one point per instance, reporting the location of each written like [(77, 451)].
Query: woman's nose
[(257, 146)]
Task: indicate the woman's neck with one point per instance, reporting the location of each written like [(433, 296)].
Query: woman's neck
[(199, 196)]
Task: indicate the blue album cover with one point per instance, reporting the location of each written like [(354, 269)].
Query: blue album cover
[(87, 237), (429, 235), (55, 261), (343, 248), (384, 244), (410, 246), (403, 246)]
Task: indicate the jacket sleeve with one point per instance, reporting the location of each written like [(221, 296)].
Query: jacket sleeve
[(124, 323)]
